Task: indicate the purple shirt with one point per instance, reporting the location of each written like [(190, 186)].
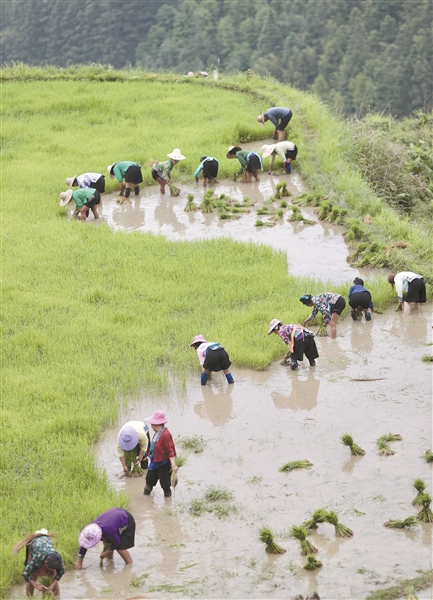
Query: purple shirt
[(112, 522)]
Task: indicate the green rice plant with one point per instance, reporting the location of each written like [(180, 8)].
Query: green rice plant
[(131, 461), (401, 524), (410, 593), (216, 494), (312, 198), (198, 507), (283, 204), (265, 210), (333, 214), (196, 443), (425, 515), (428, 456), (174, 479), (383, 447), (180, 460), (391, 437), (419, 485), (190, 206), (299, 532), (281, 190), (427, 358), (322, 331), (260, 223), (223, 510), (296, 214), (174, 191), (312, 563), (324, 209), (295, 464), (318, 516), (278, 214), (207, 204), (222, 213), (266, 536), (340, 530), (347, 440)]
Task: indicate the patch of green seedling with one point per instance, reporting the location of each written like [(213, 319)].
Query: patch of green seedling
[(312, 563), (425, 515), (309, 199), (131, 460), (195, 443), (278, 214), (190, 206), (174, 191), (281, 190), (265, 210), (322, 331), (318, 516), (419, 485), (383, 448), (264, 223), (207, 204), (337, 215), (410, 593), (216, 500), (391, 437), (216, 494), (324, 209), (401, 524), (296, 214), (266, 536), (427, 358), (300, 532), (340, 529), (295, 464), (355, 450), (284, 204), (428, 456)]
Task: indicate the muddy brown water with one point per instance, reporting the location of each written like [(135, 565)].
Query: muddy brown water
[(266, 419)]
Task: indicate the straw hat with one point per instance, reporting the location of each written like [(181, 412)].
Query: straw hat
[(65, 197), (197, 338), (261, 119), (273, 324), (109, 170), (267, 150), (228, 155), (158, 418), (90, 536), (128, 438), (70, 180), (176, 155)]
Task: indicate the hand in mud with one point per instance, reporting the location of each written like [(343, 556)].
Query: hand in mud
[(399, 307)]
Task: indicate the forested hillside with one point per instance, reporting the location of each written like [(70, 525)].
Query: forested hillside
[(359, 55)]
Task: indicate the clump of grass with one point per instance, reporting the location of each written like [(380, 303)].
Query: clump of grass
[(401, 524), (318, 516), (265, 223), (300, 532), (295, 464), (281, 190), (419, 485), (340, 529), (384, 448), (427, 358), (174, 191), (312, 563), (197, 507), (347, 440), (190, 206), (425, 515), (410, 593), (216, 500), (195, 443), (131, 459), (216, 494), (283, 204), (296, 214), (391, 437), (266, 536), (179, 461), (428, 456)]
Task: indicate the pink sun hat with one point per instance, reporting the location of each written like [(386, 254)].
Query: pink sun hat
[(197, 338), (273, 324), (158, 418), (90, 536)]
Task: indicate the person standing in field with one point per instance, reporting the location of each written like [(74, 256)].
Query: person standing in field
[(128, 171), (162, 455), (280, 117), (116, 528), (87, 180), (42, 559), (410, 287), (134, 435), (360, 300), (209, 166), (299, 340), (251, 162), (212, 357), (85, 199), (287, 151), (161, 171), (330, 305)]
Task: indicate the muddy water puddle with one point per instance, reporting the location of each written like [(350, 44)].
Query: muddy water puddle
[(369, 381)]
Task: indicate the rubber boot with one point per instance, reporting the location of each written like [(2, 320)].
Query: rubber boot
[(167, 492), (312, 363), (203, 380), (147, 490), (229, 378), (294, 364), (367, 315), (136, 190)]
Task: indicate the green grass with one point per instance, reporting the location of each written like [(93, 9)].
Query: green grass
[(421, 582)]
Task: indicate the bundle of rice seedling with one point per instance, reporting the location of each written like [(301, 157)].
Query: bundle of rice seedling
[(179, 461), (105, 546), (265, 224), (340, 529), (428, 456), (425, 515), (278, 214), (259, 224), (237, 210), (427, 358), (401, 524), (324, 209), (322, 331), (264, 211), (391, 437), (131, 461), (174, 191), (295, 464), (281, 190), (283, 204), (308, 221), (312, 563), (347, 440), (174, 479), (384, 449), (419, 485), (299, 532), (266, 536), (296, 214), (190, 206), (207, 203), (222, 213), (318, 516), (410, 593)]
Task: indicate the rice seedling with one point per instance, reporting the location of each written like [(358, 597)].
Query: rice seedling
[(216, 494), (410, 593), (425, 515), (419, 485), (264, 211), (180, 460), (222, 510), (427, 358), (131, 462), (299, 532), (266, 536), (295, 464), (322, 331), (190, 205), (324, 209), (222, 213), (347, 440), (265, 223), (281, 190), (340, 529), (278, 214), (318, 516), (401, 524), (198, 507), (174, 191), (428, 456), (312, 563), (391, 437), (384, 449), (207, 204), (174, 479), (195, 443), (283, 204), (296, 214)]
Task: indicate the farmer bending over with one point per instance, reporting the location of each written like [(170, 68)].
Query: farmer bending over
[(280, 117), (161, 170), (128, 171), (212, 357), (299, 340), (329, 304)]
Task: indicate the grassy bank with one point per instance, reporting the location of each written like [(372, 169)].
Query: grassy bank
[(92, 316)]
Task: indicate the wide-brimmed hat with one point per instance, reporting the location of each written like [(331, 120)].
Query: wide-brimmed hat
[(70, 180), (273, 324), (197, 338), (176, 155), (65, 197), (109, 170), (90, 536), (228, 155), (267, 150), (158, 418), (128, 438), (261, 119)]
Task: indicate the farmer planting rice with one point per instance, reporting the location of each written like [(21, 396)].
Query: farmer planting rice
[(209, 166), (212, 357), (87, 180), (360, 300), (280, 117), (84, 199), (42, 559), (128, 171), (134, 435), (251, 162), (161, 171), (287, 151), (410, 287), (162, 455), (330, 305), (116, 528), (299, 340)]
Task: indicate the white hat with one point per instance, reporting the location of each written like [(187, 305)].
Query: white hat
[(273, 324), (65, 197), (176, 155), (109, 170), (70, 180), (267, 150)]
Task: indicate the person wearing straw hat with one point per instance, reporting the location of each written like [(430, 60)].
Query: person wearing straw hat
[(84, 199), (251, 162), (42, 559), (161, 171), (299, 340), (134, 435), (128, 171), (212, 357), (287, 151), (410, 287), (162, 455), (209, 166), (280, 117), (116, 528), (87, 180), (330, 305)]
